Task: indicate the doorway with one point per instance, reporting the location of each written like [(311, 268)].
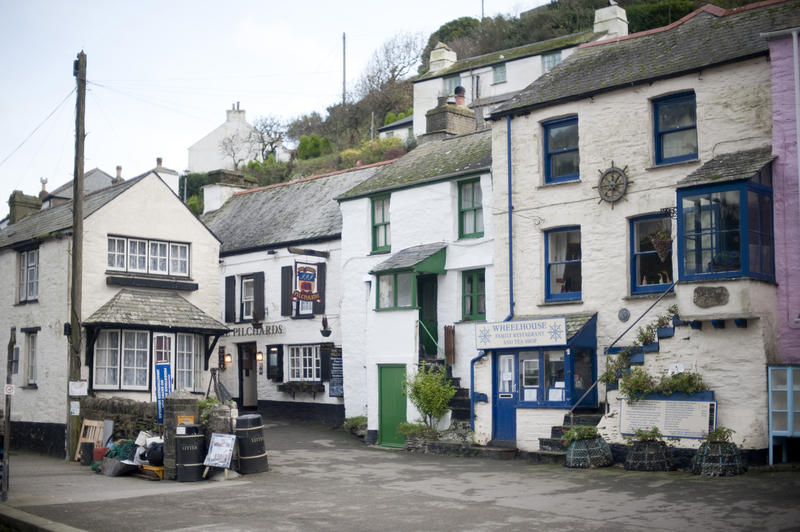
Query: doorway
[(248, 384), (426, 299), (391, 404), (504, 425)]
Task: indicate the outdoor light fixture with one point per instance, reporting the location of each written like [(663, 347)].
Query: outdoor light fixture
[(228, 360), (260, 360)]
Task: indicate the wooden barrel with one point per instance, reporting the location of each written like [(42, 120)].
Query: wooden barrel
[(252, 450)]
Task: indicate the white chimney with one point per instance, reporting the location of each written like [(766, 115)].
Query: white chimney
[(442, 57), (612, 20)]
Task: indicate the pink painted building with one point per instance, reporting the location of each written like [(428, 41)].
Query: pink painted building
[(785, 61)]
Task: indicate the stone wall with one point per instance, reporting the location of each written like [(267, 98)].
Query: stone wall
[(129, 416)]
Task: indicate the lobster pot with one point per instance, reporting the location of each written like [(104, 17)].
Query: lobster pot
[(649, 456), (717, 460), (250, 437), (190, 449), (589, 453)]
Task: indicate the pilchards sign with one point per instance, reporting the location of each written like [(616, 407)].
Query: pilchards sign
[(524, 333)]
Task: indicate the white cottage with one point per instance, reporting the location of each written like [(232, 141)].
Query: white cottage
[(637, 181), (416, 261), (149, 291), (280, 271)]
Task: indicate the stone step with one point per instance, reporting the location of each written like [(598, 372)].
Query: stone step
[(456, 381), (461, 414), (551, 444), (477, 451), (583, 419), (462, 393), (544, 457)]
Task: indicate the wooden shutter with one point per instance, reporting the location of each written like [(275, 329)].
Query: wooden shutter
[(319, 305), (258, 296), (230, 299), (450, 344), (325, 361), (286, 290)]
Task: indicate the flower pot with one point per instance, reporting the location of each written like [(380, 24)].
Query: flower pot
[(649, 456), (585, 454), (717, 460)]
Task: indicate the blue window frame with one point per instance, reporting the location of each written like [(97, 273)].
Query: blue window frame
[(561, 157), (726, 230), (675, 124), (651, 254), (562, 249)]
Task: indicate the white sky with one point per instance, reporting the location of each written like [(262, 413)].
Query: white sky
[(161, 74)]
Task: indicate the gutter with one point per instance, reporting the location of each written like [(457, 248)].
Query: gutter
[(473, 397)]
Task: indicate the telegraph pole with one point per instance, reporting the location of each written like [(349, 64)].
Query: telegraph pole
[(344, 70), (73, 422), (7, 415)]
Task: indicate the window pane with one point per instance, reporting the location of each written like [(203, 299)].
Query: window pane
[(403, 289), (468, 222), (386, 291), (780, 421), (530, 372), (676, 114), (678, 143), (778, 378), (562, 137), (562, 164), (779, 400)]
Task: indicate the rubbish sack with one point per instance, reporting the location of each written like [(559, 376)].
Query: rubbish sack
[(113, 467), (155, 453)]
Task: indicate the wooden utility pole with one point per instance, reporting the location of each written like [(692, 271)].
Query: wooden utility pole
[(7, 415), (344, 70), (73, 422)]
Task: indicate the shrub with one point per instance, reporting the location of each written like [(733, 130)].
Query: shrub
[(411, 430), (579, 432), (206, 406), (430, 391), (643, 435), (686, 382), (636, 384), (355, 423), (720, 435)]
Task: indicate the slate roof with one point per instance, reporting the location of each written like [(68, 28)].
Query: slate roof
[(575, 322), (409, 257), (509, 54), (397, 124), (706, 37), (285, 213), (735, 166), (154, 308), (54, 221), (431, 161)]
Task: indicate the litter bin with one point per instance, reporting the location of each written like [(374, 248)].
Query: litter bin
[(252, 452), (189, 452)]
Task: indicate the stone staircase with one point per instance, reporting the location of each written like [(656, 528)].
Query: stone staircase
[(637, 358), (552, 450)]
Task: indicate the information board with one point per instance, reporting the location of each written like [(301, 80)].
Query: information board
[(220, 450), (677, 419), (336, 384)]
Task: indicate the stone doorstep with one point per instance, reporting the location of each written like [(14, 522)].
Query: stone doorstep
[(467, 450), (551, 444), (543, 457)]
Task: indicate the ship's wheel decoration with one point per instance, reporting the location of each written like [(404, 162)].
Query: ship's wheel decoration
[(613, 184)]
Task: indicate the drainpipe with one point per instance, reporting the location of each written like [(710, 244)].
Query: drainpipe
[(482, 354)]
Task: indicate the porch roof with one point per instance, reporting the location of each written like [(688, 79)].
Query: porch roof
[(426, 258), (154, 309), (575, 322), (736, 166)]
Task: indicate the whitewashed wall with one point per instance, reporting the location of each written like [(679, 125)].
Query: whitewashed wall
[(47, 402), (205, 154), (733, 113), (418, 215), (294, 331)]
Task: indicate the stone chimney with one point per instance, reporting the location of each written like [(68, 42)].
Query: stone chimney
[(612, 20), (43, 192), (118, 179), (447, 119), (20, 206), (159, 160), (441, 57)]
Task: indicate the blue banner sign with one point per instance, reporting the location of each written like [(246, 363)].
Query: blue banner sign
[(163, 388)]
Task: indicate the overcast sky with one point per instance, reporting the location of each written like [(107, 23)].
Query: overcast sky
[(161, 74)]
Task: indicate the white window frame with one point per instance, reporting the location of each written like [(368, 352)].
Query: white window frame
[(187, 349), (304, 363), (135, 368), (116, 253), (30, 358), (15, 361), (551, 60), (179, 259), (133, 258), (29, 275), (248, 300), (115, 363), (155, 256)]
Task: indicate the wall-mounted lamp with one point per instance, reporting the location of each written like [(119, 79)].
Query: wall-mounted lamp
[(260, 360), (228, 360)]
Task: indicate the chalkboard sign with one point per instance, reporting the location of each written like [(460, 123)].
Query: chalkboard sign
[(336, 385)]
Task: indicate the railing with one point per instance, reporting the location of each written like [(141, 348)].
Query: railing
[(605, 351), (438, 347)]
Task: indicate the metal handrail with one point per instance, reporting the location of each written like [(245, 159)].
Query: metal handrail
[(438, 347), (571, 412)]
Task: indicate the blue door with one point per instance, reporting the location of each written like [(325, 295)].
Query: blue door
[(505, 399)]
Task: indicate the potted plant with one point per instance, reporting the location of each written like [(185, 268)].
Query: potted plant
[(662, 242), (586, 448), (718, 456), (648, 452)]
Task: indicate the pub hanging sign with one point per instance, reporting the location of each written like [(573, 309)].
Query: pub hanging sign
[(305, 282)]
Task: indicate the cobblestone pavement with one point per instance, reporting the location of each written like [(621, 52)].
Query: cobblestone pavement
[(324, 479)]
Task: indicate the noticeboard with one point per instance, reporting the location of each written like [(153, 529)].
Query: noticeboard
[(336, 384), (675, 419), (220, 450)]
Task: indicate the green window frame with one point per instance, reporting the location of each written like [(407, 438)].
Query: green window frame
[(499, 73), (470, 209), (473, 295), (381, 229), (396, 290)]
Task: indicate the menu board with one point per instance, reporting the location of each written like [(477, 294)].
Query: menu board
[(678, 419), (336, 384)]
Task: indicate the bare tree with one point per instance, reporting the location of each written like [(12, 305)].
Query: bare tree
[(237, 147), (392, 62), (268, 135)]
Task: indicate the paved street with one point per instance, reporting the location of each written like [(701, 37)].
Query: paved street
[(323, 479)]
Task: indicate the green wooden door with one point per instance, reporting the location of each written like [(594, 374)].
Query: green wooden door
[(391, 405), (426, 299)]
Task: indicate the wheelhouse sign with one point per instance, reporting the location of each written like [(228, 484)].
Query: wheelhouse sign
[(524, 333)]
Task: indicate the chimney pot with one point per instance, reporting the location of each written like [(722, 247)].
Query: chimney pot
[(158, 162), (460, 95)]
